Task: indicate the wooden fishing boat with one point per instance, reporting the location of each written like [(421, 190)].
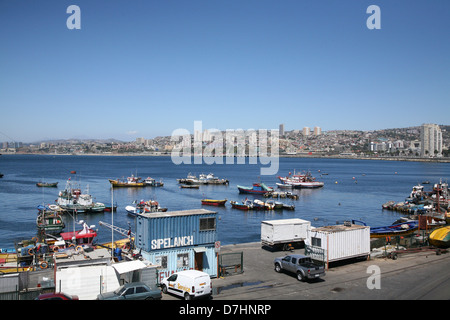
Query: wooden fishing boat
[(213, 202), (259, 205), (189, 186), (50, 222), (47, 184), (388, 205), (440, 237), (121, 243), (129, 182), (256, 188), (244, 205), (110, 208), (85, 236), (288, 206), (8, 255), (396, 229), (276, 205)]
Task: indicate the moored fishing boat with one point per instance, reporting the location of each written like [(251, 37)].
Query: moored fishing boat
[(256, 188), (188, 186), (110, 208), (144, 207), (258, 204), (50, 222), (203, 179), (243, 205), (305, 180), (213, 202), (83, 237), (276, 205), (47, 184), (153, 183), (396, 229), (440, 237), (71, 199), (288, 206), (388, 205), (129, 182)]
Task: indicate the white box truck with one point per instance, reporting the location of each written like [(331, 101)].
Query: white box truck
[(284, 233)]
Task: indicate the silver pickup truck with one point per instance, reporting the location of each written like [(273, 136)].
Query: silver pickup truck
[(300, 265)]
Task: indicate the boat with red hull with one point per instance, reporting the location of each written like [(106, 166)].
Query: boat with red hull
[(213, 202)]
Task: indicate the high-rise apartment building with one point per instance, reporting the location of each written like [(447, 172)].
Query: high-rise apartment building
[(281, 129), (317, 131), (431, 140), (306, 131)]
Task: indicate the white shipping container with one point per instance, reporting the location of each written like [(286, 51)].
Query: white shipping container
[(339, 242), (284, 231)]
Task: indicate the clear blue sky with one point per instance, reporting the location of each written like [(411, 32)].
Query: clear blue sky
[(144, 68)]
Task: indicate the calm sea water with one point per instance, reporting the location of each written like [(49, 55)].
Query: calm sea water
[(354, 189)]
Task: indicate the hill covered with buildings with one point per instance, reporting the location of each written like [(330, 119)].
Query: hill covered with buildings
[(397, 142)]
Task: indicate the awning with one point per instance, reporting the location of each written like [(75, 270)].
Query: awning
[(127, 266), (199, 249)]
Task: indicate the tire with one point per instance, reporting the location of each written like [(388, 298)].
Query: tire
[(300, 276), (164, 289), (277, 267), (187, 296)]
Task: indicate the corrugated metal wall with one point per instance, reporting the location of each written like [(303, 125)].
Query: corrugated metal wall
[(173, 260), (154, 233), (343, 244)]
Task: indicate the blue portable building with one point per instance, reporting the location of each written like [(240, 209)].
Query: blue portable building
[(178, 240)]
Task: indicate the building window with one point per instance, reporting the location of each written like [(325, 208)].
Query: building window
[(317, 242), (162, 261), (207, 224), (182, 260)]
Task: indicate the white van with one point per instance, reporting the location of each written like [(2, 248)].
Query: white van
[(188, 284)]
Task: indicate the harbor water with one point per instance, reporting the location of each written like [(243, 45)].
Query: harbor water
[(354, 189)]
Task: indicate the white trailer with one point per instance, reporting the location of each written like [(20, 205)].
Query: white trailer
[(284, 232), (338, 242)]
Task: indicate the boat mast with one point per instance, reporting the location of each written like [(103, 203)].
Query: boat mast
[(112, 223)]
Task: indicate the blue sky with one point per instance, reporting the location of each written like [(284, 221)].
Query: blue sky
[(146, 68)]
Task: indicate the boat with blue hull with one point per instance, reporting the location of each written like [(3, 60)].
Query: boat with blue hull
[(257, 188), (395, 229)]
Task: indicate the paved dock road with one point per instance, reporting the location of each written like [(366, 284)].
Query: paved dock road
[(418, 276)]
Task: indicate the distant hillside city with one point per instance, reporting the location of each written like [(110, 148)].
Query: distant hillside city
[(426, 141)]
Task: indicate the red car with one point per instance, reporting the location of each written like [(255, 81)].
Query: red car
[(57, 296)]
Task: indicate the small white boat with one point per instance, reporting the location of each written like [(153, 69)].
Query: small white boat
[(284, 185)]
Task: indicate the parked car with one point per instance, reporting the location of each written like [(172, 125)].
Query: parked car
[(188, 284), (57, 296), (132, 291), (300, 265)]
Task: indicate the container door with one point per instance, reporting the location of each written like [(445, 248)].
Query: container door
[(199, 261)]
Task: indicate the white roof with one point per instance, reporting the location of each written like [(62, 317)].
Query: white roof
[(285, 221), (127, 266)]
